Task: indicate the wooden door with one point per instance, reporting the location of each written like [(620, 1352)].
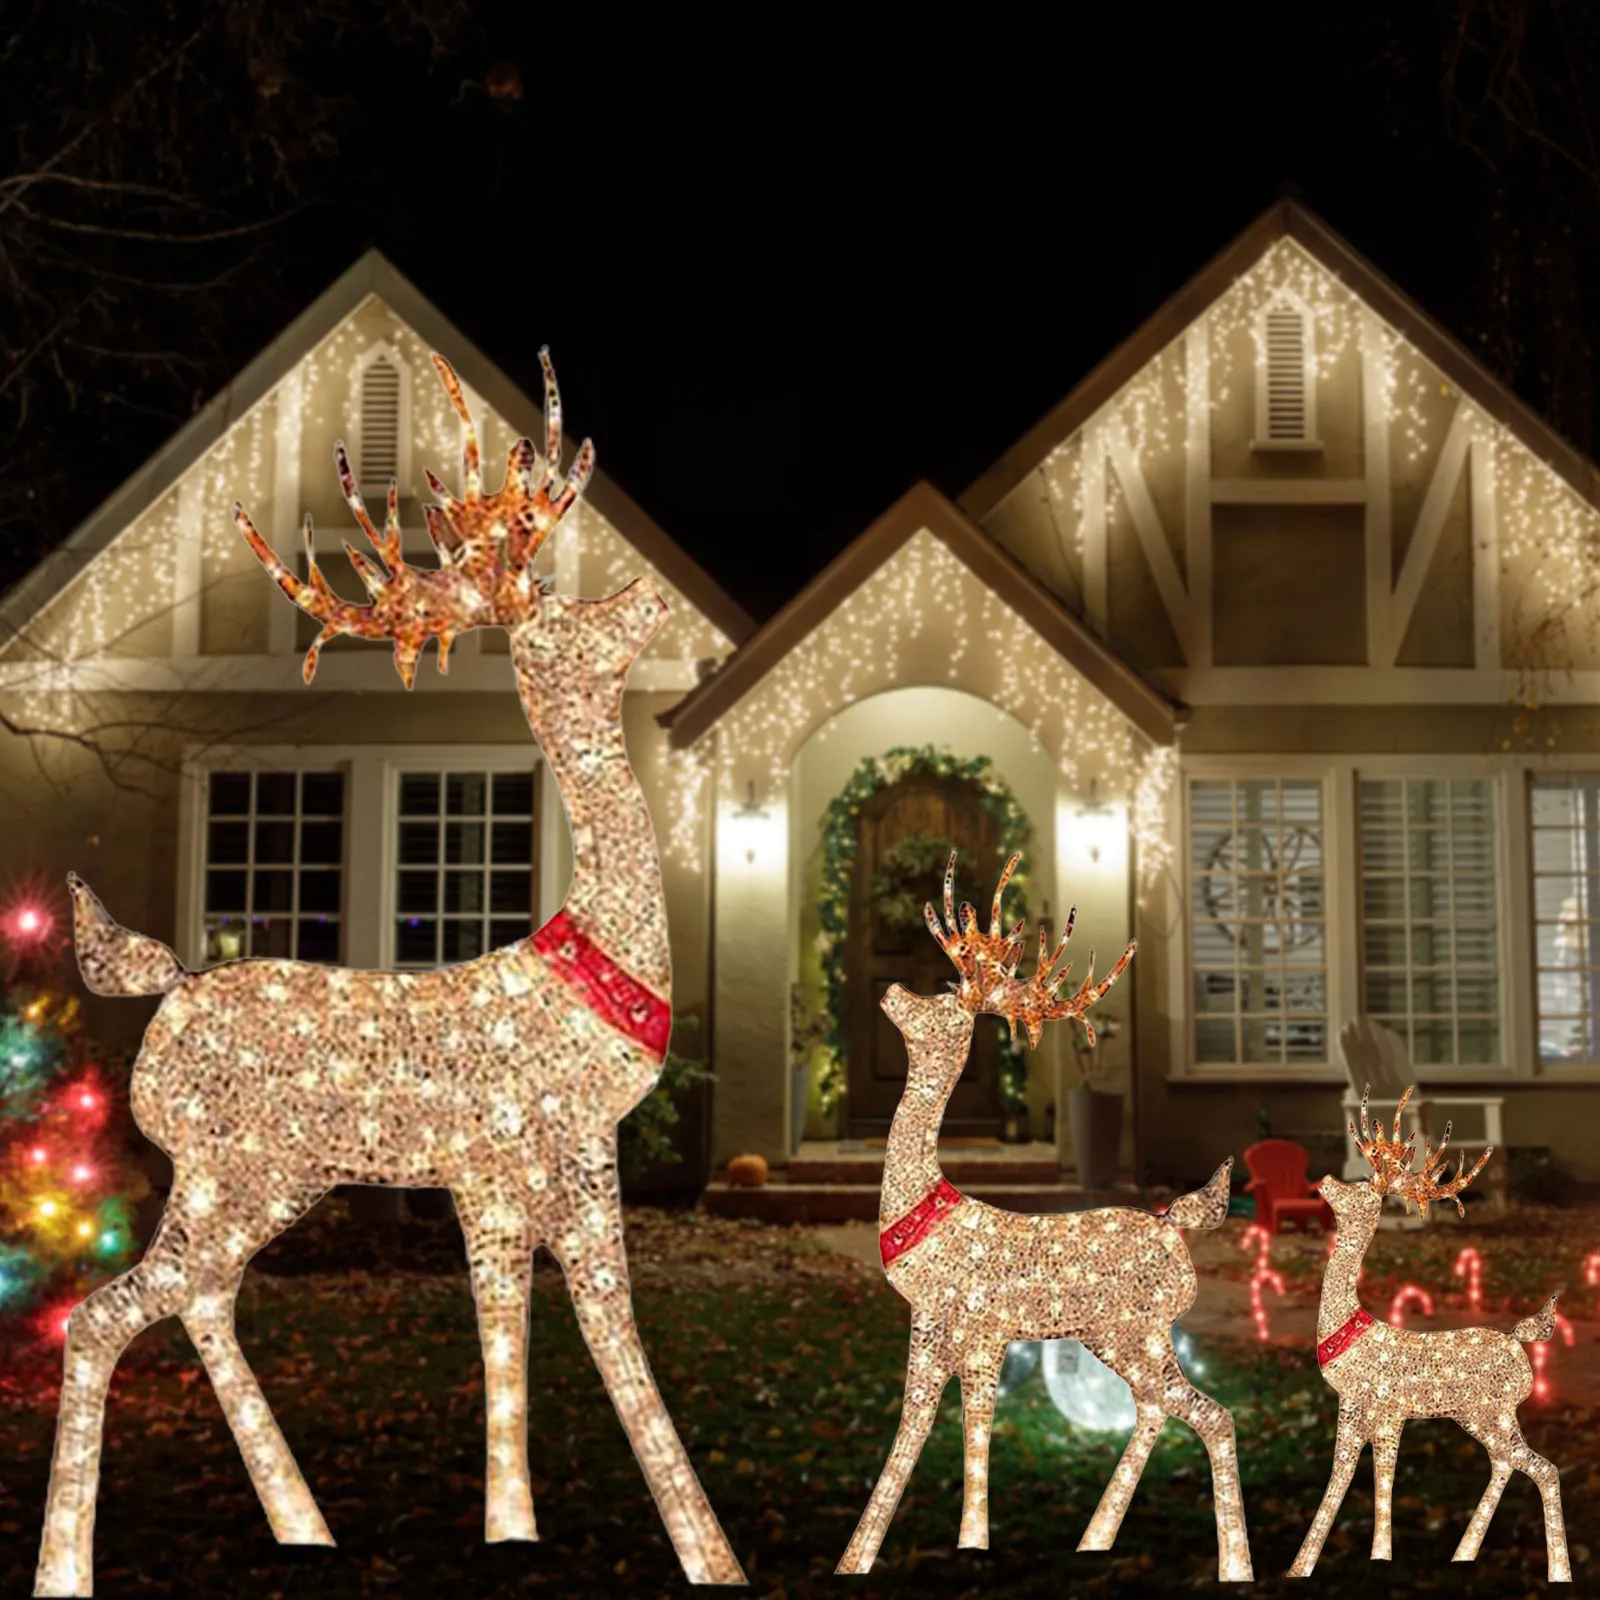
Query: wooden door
[(883, 950)]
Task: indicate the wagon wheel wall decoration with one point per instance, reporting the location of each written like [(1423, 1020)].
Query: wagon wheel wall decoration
[(1290, 876)]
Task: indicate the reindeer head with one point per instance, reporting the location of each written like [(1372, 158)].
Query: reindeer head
[(1390, 1158), (486, 545), (987, 964)]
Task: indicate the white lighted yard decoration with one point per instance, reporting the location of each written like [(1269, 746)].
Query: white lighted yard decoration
[(978, 1277), (502, 1079), (1386, 1375), (1081, 1387)]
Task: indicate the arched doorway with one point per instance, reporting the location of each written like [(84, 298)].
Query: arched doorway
[(904, 835)]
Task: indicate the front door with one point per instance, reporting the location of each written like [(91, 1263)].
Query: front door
[(904, 835)]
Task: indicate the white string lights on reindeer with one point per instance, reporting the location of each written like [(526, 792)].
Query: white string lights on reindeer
[(503, 1079), (978, 1278), (1385, 1375)]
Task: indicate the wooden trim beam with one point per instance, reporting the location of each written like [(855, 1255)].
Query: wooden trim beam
[(1152, 536), (1290, 491), (365, 671), (1425, 536)]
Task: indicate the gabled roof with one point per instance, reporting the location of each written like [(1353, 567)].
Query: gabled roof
[(1285, 220), (922, 507), (371, 275)]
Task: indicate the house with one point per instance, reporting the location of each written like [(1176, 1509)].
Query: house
[(1269, 646)]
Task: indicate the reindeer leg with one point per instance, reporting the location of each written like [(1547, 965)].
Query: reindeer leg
[(1104, 1525), (1347, 1446), (500, 1245), (219, 1243), (1472, 1539), (98, 1331), (590, 1249), (1558, 1568), (926, 1376), (1214, 1423), (1385, 1452), (980, 1379)]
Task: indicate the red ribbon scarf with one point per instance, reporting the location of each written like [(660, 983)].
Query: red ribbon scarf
[(1343, 1337), (604, 987), (910, 1230)]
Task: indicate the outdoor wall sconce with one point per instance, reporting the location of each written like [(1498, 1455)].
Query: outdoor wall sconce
[(747, 819), (1095, 825)]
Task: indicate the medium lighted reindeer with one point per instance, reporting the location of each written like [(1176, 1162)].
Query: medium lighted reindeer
[(1384, 1376), (504, 1078), (978, 1277)]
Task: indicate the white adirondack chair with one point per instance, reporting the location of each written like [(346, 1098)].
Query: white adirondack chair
[(1375, 1055)]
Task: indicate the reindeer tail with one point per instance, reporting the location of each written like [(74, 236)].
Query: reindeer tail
[(1540, 1328), (1205, 1208), (114, 961)]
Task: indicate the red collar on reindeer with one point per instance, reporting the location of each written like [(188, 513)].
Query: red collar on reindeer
[(910, 1230), (1343, 1337), (608, 991)]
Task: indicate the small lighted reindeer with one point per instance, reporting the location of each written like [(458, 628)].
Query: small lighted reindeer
[(1384, 1375), (978, 1277), (502, 1078)]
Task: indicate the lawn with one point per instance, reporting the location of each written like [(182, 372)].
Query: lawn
[(782, 1365)]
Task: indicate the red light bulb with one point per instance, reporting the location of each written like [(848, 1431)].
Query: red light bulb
[(86, 1100), (28, 920), (82, 1173), (39, 1155)]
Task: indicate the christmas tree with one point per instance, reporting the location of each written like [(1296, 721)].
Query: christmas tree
[(67, 1186)]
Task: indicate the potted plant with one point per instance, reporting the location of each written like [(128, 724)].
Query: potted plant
[(1095, 1108)]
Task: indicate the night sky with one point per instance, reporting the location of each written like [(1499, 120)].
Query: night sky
[(787, 268)]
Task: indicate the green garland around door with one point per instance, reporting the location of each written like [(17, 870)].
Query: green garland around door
[(838, 868)]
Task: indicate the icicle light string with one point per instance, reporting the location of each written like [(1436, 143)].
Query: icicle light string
[(925, 595), (1549, 534), (135, 581)]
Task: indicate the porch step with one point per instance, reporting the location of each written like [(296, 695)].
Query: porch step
[(962, 1171), (784, 1201)]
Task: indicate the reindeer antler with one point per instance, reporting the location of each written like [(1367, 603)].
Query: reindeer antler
[(486, 545), (1390, 1158), (988, 964)]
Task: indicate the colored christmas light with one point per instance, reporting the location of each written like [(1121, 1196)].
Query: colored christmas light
[(1263, 1277), (1409, 1294), (1469, 1265)]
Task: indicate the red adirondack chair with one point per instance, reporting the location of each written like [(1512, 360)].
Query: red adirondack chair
[(1278, 1181)]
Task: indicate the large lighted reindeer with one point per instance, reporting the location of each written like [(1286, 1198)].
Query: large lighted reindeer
[(1385, 1376), (504, 1078), (978, 1277)]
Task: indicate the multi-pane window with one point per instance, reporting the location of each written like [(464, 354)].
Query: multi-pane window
[(464, 868), (1565, 814), (1260, 959), (274, 864), (1428, 916)]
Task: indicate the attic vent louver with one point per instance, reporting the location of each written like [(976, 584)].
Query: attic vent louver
[(380, 425), (1286, 374)]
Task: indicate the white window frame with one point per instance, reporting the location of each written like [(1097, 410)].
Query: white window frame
[(383, 351), (1339, 775), (1569, 765), (1500, 876), (446, 758), (307, 762), (371, 829), (1308, 440)]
